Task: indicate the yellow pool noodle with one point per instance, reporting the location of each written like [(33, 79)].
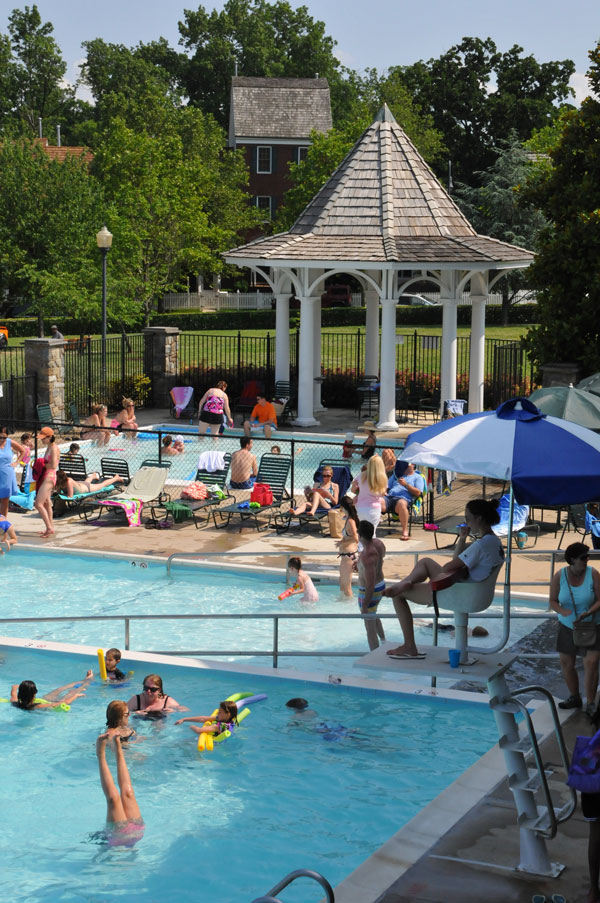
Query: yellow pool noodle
[(102, 664)]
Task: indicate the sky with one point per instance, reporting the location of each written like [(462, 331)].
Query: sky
[(373, 34)]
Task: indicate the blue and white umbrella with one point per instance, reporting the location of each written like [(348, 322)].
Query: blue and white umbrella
[(547, 460)]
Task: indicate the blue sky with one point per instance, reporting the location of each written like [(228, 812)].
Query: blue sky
[(379, 33)]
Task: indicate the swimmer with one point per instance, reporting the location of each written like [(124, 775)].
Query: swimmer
[(9, 535), (112, 657), (23, 695), (123, 815), (476, 631), (178, 444), (169, 448), (275, 450), (225, 720), (300, 709), (295, 575), (153, 702), (117, 721)]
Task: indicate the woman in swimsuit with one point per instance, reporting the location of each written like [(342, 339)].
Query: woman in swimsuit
[(45, 485), (92, 483), (348, 546), (98, 418), (123, 816), (125, 419), (24, 695), (213, 405), (153, 701), (117, 720)]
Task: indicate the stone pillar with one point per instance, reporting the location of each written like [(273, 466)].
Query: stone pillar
[(282, 337), (317, 403), (45, 364), (558, 374), (372, 333), (161, 361), (477, 356), (387, 391), (449, 319), (306, 364)]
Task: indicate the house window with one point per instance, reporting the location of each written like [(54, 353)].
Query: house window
[(263, 202), (302, 154), (263, 160)]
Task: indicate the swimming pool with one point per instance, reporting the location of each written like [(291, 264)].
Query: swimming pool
[(227, 825), (183, 467), (80, 585)]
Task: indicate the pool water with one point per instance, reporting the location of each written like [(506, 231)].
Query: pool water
[(183, 467), (84, 585), (224, 825)]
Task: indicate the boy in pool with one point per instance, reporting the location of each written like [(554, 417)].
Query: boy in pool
[(8, 535), (226, 719), (300, 709), (112, 657)]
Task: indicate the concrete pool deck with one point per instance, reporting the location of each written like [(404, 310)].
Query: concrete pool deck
[(447, 871)]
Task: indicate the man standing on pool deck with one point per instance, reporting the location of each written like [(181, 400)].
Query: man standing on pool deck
[(371, 582)]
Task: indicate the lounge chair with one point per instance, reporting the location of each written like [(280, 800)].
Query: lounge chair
[(80, 501), (342, 476), (46, 418), (154, 462), (272, 469), (245, 403), (74, 411), (187, 509), (145, 488), (112, 467), (182, 401), (416, 508), (73, 466)]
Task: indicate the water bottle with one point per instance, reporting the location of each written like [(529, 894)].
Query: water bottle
[(191, 421)]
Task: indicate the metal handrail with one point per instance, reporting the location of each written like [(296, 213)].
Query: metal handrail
[(270, 897), (554, 821)]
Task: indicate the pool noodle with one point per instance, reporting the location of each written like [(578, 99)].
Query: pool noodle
[(249, 700), (102, 664)]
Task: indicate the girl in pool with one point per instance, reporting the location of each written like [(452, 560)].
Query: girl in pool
[(24, 695), (153, 702), (123, 816), (295, 575), (226, 720), (117, 721)]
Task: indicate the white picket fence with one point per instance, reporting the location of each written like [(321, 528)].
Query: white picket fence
[(262, 301)]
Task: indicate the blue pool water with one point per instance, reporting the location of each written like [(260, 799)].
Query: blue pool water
[(224, 825), (80, 586), (183, 467)]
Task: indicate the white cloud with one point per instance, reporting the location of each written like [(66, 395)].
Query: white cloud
[(581, 85)]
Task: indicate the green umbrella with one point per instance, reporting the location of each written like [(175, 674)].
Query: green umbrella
[(569, 403), (590, 384)]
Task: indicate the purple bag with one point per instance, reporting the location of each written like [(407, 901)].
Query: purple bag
[(584, 773)]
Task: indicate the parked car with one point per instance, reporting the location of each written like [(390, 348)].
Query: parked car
[(336, 296), (417, 301)]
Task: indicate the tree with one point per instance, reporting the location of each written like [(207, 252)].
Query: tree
[(566, 272), (497, 209), (263, 39), (475, 95)]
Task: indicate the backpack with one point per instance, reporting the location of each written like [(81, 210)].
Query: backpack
[(262, 493)]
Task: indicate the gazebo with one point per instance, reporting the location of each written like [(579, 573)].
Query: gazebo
[(384, 218)]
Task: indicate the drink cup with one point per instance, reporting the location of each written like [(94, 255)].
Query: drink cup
[(454, 657)]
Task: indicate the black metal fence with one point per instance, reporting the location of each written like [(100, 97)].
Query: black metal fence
[(128, 369), (13, 398)]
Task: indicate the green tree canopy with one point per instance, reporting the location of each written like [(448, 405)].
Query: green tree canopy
[(475, 94), (566, 272)]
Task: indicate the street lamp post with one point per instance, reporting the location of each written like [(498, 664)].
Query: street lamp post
[(104, 242)]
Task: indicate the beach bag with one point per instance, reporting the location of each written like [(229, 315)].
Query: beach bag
[(262, 493), (336, 521), (584, 773), (585, 635), (195, 490)]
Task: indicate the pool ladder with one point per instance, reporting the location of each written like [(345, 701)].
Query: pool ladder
[(270, 896), (537, 823)]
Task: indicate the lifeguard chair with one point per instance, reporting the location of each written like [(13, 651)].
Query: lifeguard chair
[(465, 598)]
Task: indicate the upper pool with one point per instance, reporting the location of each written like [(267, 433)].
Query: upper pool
[(226, 825)]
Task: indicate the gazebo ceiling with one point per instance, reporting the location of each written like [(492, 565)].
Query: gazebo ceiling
[(383, 204)]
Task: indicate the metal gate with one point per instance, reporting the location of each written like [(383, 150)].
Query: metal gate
[(128, 363)]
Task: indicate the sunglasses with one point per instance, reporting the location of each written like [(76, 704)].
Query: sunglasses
[(152, 689)]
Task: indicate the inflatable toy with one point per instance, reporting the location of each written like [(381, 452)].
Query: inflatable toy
[(288, 592), (206, 741)]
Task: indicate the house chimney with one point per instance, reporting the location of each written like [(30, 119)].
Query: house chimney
[(41, 134), (58, 136)]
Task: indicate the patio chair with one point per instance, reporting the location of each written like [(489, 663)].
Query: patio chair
[(73, 466), (430, 405), (187, 509), (154, 462), (46, 418), (342, 476), (182, 401), (283, 390), (367, 395), (454, 407), (244, 404), (579, 519), (416, 508), (465, 598), (145, 488), (74, 411), (112, 467), (272, 469)]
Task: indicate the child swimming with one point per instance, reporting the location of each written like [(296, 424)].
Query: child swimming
[(295, 575), (117, 721), (225, 720), (112, 657)]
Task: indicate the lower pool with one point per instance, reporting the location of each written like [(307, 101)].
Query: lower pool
[(224, 825), (79, 586)]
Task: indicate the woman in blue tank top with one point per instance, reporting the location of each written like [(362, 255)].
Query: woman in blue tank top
[(575, 597)]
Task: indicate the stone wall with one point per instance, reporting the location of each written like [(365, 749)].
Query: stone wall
[(45, 358), (162, 348)]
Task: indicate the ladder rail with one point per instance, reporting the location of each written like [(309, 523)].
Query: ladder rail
[(271, 896), (554, 820)]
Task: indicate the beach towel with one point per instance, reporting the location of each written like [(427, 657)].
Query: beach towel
[(181, 395), (520, 516), (131, 507), (210, 461)]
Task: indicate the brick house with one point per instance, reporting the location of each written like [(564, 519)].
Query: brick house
[(271, 119)]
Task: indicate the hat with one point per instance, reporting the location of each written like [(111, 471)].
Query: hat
[(179, 438), (349, 437), (45, 432), (370, 425), (54, 326)]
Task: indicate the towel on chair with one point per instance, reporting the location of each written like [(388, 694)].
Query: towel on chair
[(211, 461), (181, 395), (132, 509), (520, 516)]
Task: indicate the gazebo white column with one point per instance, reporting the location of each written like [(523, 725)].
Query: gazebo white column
[(477, 357), (306, 364), (282, 337), (317, 404), (372, 333), (387, 390), (449, 343)]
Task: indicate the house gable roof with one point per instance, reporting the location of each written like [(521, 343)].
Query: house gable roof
[(278, 108)]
